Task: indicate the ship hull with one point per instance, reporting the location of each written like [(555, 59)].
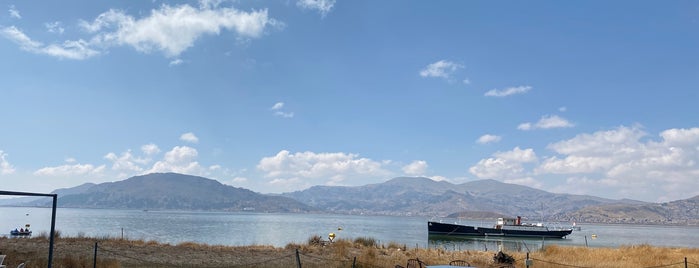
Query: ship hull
[(437, 228)]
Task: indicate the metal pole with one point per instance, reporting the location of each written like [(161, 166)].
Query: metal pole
[(53, 229), (298, 259), (585, 241), (527, 261), (94, 262)]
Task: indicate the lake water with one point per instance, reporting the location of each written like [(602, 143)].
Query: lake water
[(280, 229)]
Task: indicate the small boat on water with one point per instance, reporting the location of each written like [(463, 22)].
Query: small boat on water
[(21, 232), (504, 227)]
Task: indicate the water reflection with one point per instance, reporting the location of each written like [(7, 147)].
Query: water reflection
[(487, 243)]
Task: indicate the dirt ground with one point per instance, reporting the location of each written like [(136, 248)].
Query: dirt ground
[(74, 252)]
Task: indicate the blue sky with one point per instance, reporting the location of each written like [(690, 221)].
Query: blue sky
[(587, 97)]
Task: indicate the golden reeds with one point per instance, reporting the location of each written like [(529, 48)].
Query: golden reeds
[(363, 252)]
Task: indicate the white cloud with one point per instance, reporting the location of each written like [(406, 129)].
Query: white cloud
[(14, 13), (488, 138), (562, 109), (518, 155), (173, 29), (189, 137), (277, 108), (71, 170), (284, 114), (54, 27), (438, 178), (75, 50), (176, 62), (150, 149), (527, 181), (416, 168), (508, 91), (629, 165), (126, 162), (507, 165), (181, 159), (5, 166), (442, 68), (70, 160), (322, 6), (300, 170), (466, 81), (239, 180), (547, 122), (169, 29)]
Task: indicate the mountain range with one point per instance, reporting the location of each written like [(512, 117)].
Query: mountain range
[(172, 191), (403, 196)]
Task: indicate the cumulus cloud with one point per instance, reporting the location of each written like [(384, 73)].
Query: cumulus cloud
[(277, 108), (168, 29), (624, 160), (547, 122), (71, 170), (189, 137), (5, 166), (507, 165), (294, 171), (173, 29), (75, 50), (150, 149), (322, 6), (14, 13), (488, 138), (441, 69), (126, 162), (416, 168), (181, 159), (508, 91)]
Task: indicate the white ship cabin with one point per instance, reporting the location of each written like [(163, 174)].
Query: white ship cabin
[(516, 224), (509, 221)]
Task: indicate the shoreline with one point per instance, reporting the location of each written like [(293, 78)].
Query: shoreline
[(112, 252)]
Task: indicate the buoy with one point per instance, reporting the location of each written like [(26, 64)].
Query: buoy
[(331, 236), (339, 228), (594, 236)]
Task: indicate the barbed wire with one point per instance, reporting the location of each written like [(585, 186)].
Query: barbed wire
[(576, 266), (665, 265), (561, 264), (261, 262), (128, 257)]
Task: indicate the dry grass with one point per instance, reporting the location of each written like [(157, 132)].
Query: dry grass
[(363, 252)]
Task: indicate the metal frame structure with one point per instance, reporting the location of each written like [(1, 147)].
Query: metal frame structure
[(53, 217)]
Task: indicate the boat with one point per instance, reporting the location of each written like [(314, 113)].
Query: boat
[(504, 227), (21, 232)]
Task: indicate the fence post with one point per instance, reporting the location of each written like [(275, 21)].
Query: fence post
[(298, 259), (526, 262), (685, 262), (354, 262), (585, 241), (94, 262)]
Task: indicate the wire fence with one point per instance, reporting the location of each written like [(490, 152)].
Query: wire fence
[(293, 259), (684, 263)]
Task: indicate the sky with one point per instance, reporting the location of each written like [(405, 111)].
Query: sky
[(579, 97)]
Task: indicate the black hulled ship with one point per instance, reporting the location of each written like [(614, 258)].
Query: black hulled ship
[(504, 227)]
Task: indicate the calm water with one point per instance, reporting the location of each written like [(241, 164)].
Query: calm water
[(280, 229)]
